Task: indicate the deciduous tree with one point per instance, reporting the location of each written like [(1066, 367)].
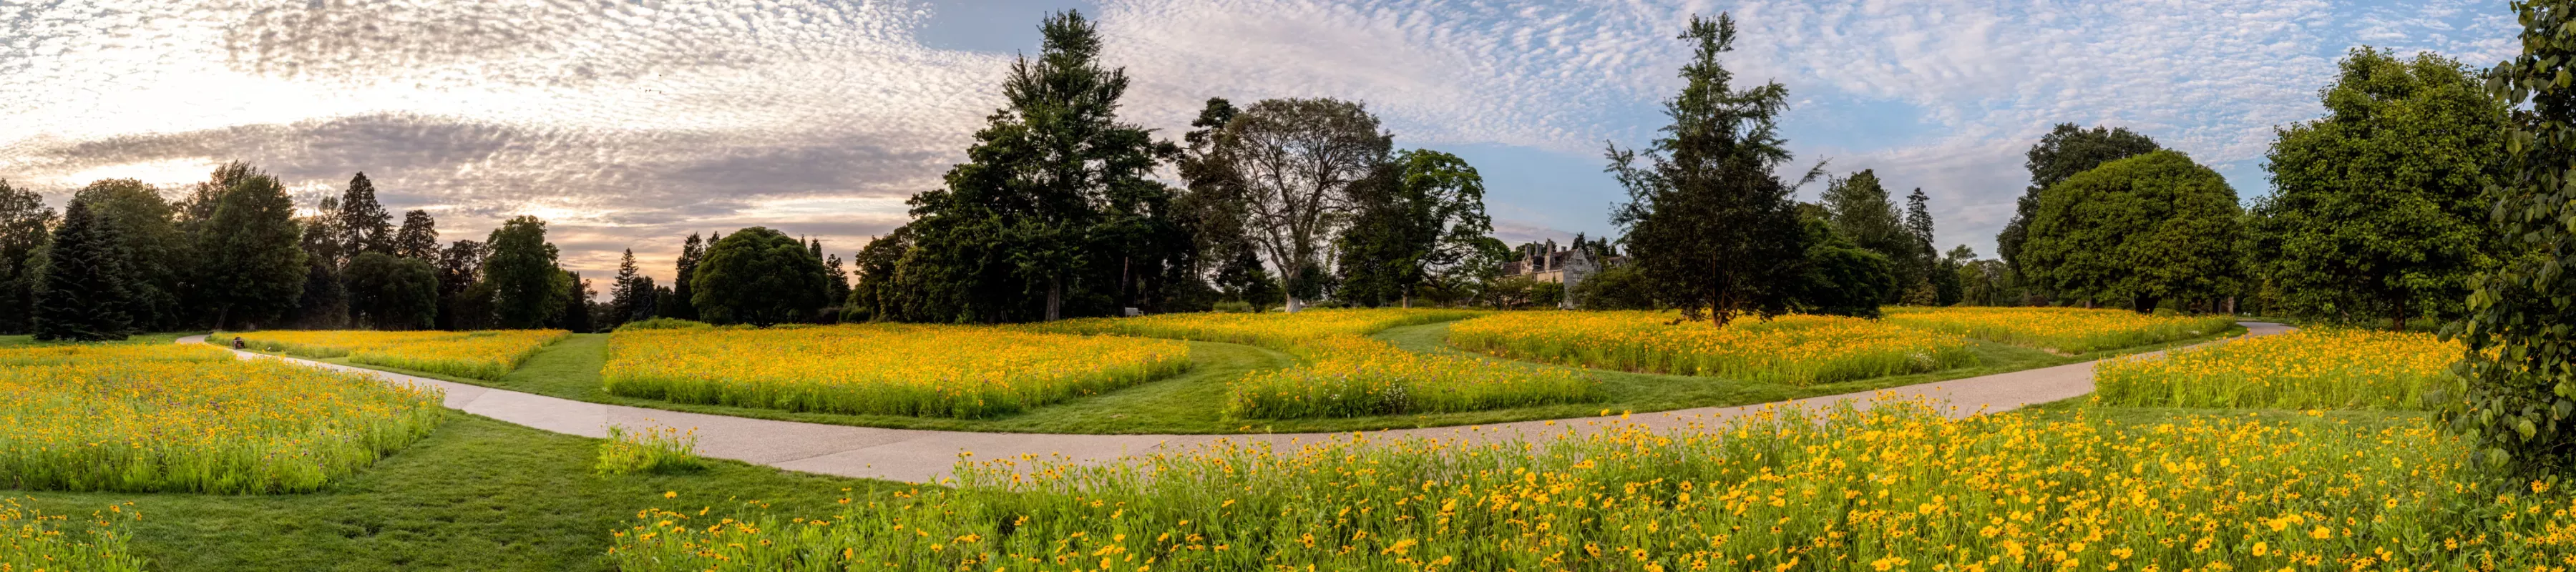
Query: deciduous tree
[(25, 224), (418, 238), (251, 265), (529, 288), (362, 223), (759, 276), (2062, 153), (2520, 404), (1299, 163), (2145, 229), (389, 292), (1427, 217)]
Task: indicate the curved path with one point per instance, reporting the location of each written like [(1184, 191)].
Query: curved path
[(924, 456)]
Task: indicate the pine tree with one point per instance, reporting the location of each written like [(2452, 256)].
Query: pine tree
[(840, 280), (418, 238), (632, 293), (83, 282), (150, 244), (24, 220), (363, 223), (691, 251)]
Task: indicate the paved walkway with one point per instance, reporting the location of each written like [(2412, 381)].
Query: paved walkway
[(923, 456)]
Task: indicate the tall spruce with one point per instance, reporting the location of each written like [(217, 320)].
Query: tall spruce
[(148, 239), (632, 292), (363, 223), (1710, 228), (2519, 407), (83, 282), (685, 271), (1921, 270), (418, 238), (25, 224), (529, 288), (251, 266), (1056, 205)]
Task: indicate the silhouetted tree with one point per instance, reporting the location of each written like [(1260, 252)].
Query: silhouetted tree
[(418, 238), (363, 223), (681, 307), (148, 240), (83, 281), (392, 292), (250, 266), (24, 227), (528, 288), (758, 276)]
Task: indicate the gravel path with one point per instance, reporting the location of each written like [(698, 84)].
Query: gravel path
[(923, 456)]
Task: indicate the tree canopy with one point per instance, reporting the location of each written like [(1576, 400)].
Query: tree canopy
[(139, 223), (2520, 405), (2061, 154), (251, 265), (759, 276), (25, 224), (2378, 209), (1428, 216), (529, 289), (83, 286), (1300, 164), (389, 292), (2145, 229)]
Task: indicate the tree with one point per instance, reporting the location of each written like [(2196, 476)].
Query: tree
[(2062, 153), (251, 265), (392, 292), (1920, 272), (758, 276), (684, 272), (2378, 208), (631, 294), (1864, 214), (1430, 216), (83, 281), (2145, 229), (460, 268), (24, 225), (1841, 278), (1711, 229), (878, 295), (418, 239), (1055, 211), (2519, 406), (575, 315), (146, 238), (325, 303), (363, 223), (837, 277), (1300, 163), (529, 289)]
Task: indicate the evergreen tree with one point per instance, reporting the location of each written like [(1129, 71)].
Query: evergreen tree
[(1841, 278), (631, 294), (1921, 269), (325, 303), (363, 223), (1863, 213), (25, 223), (418, 238), (575, 316), (528, 288), (691, 252), (148, 240), (1711, 229), (83, 282), (392, 293), (251, 266), (840, 280), (759, 276)]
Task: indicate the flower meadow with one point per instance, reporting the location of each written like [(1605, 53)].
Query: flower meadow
[(1896, 487), (1796, 350), (1347, 374), (648, 450), (889, 369), (2065, 330), (32, 541), (192, 418), (480, 355), (2306, 369)]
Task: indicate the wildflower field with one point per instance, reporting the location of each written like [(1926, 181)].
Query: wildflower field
[(2306, 369), (31, 540), (479, 355), (193, 418), (1892, 488), (1796, 350), (1347, 374), (2065, 330), (893, 369)]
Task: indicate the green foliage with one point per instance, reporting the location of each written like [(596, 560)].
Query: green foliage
[(759, 276), (1303, 166), (84, 286), (685, 272), (325, 303), (656, 450), (632, 296), (661, 324), (1842, 278), (1429, 217), (24, 220), (2521, 330), (250, 266), (2062, 153), (460, 305), (418, 238), (1864, 215), (392, 293), (149, 242), (361, 222), (2146, 229), (528, 289), (1617, 287), (2377, 208), (1709, 226)]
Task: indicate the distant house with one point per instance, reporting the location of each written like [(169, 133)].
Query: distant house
[(1550, 263)]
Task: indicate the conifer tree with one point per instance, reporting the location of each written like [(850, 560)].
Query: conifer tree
[(418, 238), (24, 224), (686, 269), (149, 242), (83, 282), (363, 223), (632, 293)]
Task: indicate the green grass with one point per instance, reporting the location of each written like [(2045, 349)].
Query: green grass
[(1192, 403), (478, 494)]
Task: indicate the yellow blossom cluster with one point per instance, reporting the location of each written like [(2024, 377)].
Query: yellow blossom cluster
[(31, 540), (1895, 487), (2065, 330), (891, 369), (1346, 374), (2316, 368), (480, 355), (1795, 349), (193, 418)]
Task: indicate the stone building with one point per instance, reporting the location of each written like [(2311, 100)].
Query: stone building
[(1550, 263)]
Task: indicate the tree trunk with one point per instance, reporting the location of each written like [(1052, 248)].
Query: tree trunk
[(1055, 299), (2397, 320)]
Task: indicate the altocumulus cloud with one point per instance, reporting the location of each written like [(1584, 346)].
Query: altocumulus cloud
[(629, 124)]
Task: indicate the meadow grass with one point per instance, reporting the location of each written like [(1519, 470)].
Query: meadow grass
[(2065, 330), (1796, 350), (480, 354), (894, 369), (31, 540), (1344, 373), (2316, 368), (193, 418), (1892, 488), (648, 450)]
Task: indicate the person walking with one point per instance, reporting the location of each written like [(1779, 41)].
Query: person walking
[(237, 343)]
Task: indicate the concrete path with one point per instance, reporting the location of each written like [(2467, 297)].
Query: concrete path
[(925, 456)]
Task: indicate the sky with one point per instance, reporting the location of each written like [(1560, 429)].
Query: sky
[(633, 123)]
